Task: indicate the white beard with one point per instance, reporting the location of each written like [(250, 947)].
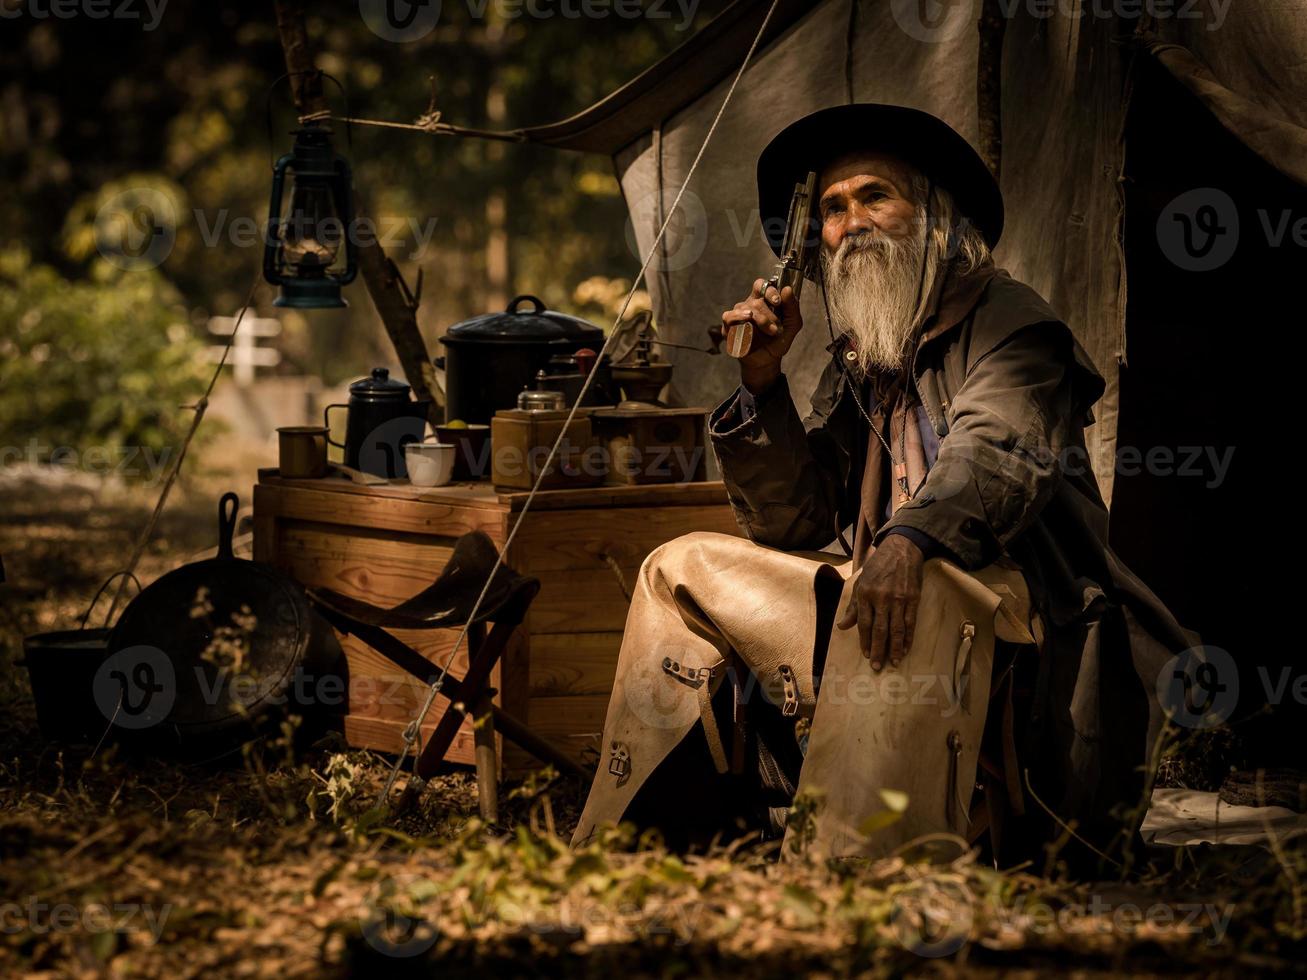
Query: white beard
[(872, 284)]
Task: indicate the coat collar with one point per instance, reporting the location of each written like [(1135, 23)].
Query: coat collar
[(953, 298)]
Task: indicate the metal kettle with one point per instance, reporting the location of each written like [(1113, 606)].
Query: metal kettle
[(382, 419)]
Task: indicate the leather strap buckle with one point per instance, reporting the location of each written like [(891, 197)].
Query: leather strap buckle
[(619, 763), (789, 691), (701, 678), (694, 676), (962, 665)]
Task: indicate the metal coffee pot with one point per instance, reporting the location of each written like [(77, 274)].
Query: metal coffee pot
[(382, 420)]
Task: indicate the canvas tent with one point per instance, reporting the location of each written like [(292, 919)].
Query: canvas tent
[(1065, 83), (1122, 123)]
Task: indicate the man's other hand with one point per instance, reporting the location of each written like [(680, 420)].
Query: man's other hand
[(884, 601), (776, 322)]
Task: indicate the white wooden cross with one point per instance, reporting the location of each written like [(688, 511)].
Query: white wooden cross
[(245, 355)]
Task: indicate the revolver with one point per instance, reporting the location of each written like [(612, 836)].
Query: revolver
[(795, 257)]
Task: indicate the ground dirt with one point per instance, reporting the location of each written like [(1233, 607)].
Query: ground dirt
[(276, 862)]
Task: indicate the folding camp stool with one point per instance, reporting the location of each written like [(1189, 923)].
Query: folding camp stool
[(448, 604)]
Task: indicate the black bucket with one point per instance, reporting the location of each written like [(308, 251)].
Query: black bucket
[(61, 667)]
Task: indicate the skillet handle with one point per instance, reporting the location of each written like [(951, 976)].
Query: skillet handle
[(227, 523)]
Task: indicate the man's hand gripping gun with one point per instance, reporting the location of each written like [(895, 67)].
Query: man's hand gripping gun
[(795, 257)]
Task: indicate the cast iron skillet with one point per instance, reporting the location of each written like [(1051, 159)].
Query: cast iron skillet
[(212, 652)]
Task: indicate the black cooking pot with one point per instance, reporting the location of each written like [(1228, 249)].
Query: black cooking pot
[(489, 359), (214, 653)]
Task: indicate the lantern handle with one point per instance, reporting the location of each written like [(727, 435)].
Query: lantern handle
[(344, 94), (271, 272), (347, 215)]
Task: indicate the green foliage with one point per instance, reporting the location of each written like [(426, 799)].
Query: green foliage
[(801, 824), (339, 785), (101, 364), (103, 102), (896, 804)]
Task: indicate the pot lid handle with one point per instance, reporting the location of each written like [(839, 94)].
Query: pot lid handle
[(379, 384), (539, 307)]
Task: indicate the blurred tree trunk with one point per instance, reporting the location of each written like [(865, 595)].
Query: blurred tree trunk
[(497, 272), (989, 84), (380, 275)]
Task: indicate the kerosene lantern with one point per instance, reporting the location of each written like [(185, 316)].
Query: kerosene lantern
[(301, 251)]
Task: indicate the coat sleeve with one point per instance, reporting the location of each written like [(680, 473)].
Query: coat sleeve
[(1010, 425), (787, 478)]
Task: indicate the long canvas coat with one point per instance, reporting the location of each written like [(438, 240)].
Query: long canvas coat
[(1008, 391)]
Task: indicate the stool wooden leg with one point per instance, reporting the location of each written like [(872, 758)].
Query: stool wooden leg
[(486, 761), (483, 653)]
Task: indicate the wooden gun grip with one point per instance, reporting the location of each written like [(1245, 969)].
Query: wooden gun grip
[(739, 339)]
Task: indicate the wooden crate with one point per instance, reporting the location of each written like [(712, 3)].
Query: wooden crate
[(386, 543)]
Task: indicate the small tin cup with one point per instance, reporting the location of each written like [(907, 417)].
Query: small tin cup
[(303, 451)]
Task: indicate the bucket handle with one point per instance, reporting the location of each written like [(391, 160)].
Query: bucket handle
[(104, 585)]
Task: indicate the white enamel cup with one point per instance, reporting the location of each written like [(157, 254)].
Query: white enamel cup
[(430, 464)]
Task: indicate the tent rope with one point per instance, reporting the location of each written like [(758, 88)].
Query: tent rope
[(199, 407), (412, 730), (429, 122)]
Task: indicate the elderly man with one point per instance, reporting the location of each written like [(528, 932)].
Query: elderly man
[(976, 660)]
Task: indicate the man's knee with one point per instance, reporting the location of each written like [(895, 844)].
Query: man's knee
[(687, 548)]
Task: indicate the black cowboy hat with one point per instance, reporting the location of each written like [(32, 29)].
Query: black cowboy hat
[(918, 138)]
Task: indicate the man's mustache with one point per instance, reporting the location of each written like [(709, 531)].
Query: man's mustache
[(859, 244)]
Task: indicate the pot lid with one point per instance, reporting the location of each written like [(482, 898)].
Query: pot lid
[(379, 385), (541, 399), (531, 325)]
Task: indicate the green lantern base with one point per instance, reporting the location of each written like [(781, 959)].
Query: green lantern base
[(310, 294)]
